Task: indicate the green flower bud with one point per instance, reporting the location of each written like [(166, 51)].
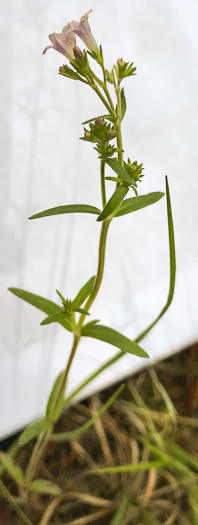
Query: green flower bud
[(99, 122), (110, 76)]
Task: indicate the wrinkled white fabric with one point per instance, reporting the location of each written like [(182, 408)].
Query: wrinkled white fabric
[(43, 164)]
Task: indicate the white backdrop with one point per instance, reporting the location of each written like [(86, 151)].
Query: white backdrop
[(43, 164)]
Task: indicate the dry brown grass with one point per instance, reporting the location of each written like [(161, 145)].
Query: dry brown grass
[(155, 414)]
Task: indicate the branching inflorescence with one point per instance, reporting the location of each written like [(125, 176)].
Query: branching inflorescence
[(104, 131)]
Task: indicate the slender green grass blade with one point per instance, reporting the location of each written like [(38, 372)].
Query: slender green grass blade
[(77, 432), (182, 455), (170, 460), (172, 262), (117, 520), (137, 467)]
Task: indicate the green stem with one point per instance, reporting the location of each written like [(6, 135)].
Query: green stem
[(100, 95), (106, 89), (139, 338), (43, 438), (102, 181), (63, 384), (103, 85), (100, 269), (109, 98), (95, 374), (35, 457), (93, 76), (119, 120)]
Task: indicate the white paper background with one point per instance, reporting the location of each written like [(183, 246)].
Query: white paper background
[(43, 164)]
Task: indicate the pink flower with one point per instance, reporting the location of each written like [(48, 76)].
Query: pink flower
[(82, 29), (63, 42)]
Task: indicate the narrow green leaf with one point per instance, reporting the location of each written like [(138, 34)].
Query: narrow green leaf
[(70, 208), (82, 311), (104, 333), (121, 172), (182, 455), (137, 467), (123, 103), (171, 244), (172, 262), (12, 468), (52, 396), (92, 323), (45, 305), (84, 292), (44, 486), (170, 460), (33, 431), (60, 295), (117, 520), (54, 318), (114, 179), (111, 118), (139, 202), (77, 432), (113, 202)]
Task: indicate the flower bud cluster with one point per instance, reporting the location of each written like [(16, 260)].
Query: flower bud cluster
[(80, 62), (134, 170), (124, 69), (101, 133), (69, 306), (66, 71)]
